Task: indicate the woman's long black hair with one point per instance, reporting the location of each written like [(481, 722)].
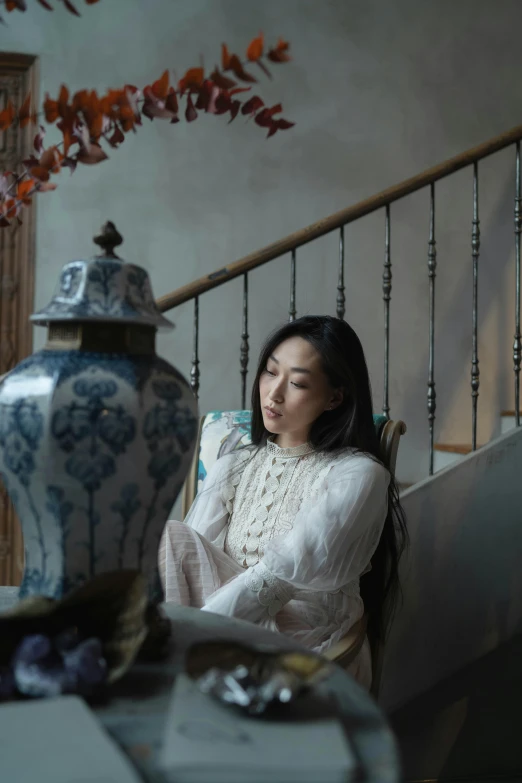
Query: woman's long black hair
[(349, 425)]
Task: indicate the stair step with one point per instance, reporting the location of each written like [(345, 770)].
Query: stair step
[(402, 486), (454, 448), (446, 454), (507, 421)]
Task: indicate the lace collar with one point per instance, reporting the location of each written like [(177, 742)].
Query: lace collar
[(296, 451)]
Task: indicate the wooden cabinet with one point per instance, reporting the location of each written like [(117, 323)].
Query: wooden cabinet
[(18, 76)]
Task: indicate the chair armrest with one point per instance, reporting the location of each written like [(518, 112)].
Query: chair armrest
[(346, 649)]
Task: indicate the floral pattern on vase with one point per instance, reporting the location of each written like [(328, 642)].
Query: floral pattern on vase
[(96, 452)]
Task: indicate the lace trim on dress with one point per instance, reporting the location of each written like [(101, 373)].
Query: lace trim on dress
[(272, 593), (292, 453), (228, 492), (268, 498)]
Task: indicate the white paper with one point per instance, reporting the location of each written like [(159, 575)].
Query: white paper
[(209, 742), (58, 741)]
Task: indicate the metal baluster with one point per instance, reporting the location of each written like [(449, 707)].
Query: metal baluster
[(341, 299), (432, 265), (194, 372), (475, 248), (386, 295), (517, 344), (244, 343), (292, 311)]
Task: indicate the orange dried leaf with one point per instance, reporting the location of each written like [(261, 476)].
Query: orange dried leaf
[(24, 113), (63, 99), (25, 188), (50, 109), (11, 208), (193, 78), (40, 173), (255, 49), (160, 88), (7, 116)]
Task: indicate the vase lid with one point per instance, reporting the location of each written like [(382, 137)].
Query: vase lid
[(103, 288)]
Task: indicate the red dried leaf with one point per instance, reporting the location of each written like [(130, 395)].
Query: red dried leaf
[(255, 49), (70, 163), (220, 80), (265, 116), (190, 112), (234, 110), (171, 104), (92, 156), (253, 105), (38, 140), (70, 7), (225, 57), (46, 5), (279, 125), (117, 137), (28, 163), (10, 5), (279, 54), (223, 103), (237, 90), (237, 66), (24, 113), (50, 158), (7, 116)]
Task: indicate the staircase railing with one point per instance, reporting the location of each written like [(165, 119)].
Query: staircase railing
[(337, 222)]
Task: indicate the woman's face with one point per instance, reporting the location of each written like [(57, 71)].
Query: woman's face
[(294, 391)]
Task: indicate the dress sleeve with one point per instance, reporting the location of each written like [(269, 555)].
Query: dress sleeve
[(209, 514), (332, 542)]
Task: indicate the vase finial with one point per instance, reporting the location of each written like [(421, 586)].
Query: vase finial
[(108, 239)]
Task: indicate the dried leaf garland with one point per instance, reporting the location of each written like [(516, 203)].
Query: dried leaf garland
[(86, 119)]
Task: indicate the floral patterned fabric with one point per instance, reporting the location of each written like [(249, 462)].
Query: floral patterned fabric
[(225, 431)]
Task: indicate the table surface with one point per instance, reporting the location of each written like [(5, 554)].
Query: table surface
[(136, 713)]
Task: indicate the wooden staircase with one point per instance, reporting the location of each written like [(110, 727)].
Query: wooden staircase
[(446, 454)]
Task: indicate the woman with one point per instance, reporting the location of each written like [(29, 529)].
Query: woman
[(282, 532)]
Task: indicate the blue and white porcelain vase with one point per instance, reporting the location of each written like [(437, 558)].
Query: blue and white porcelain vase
[(96, 431)]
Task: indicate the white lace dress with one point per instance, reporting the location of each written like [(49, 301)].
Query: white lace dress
[(280, 537)]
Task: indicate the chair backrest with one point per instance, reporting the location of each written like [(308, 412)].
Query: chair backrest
[(221, 432)]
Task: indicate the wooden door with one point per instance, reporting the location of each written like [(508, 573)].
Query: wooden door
[(18, 76)]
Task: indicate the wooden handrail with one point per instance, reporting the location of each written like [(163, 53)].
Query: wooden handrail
[(338, 219)]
